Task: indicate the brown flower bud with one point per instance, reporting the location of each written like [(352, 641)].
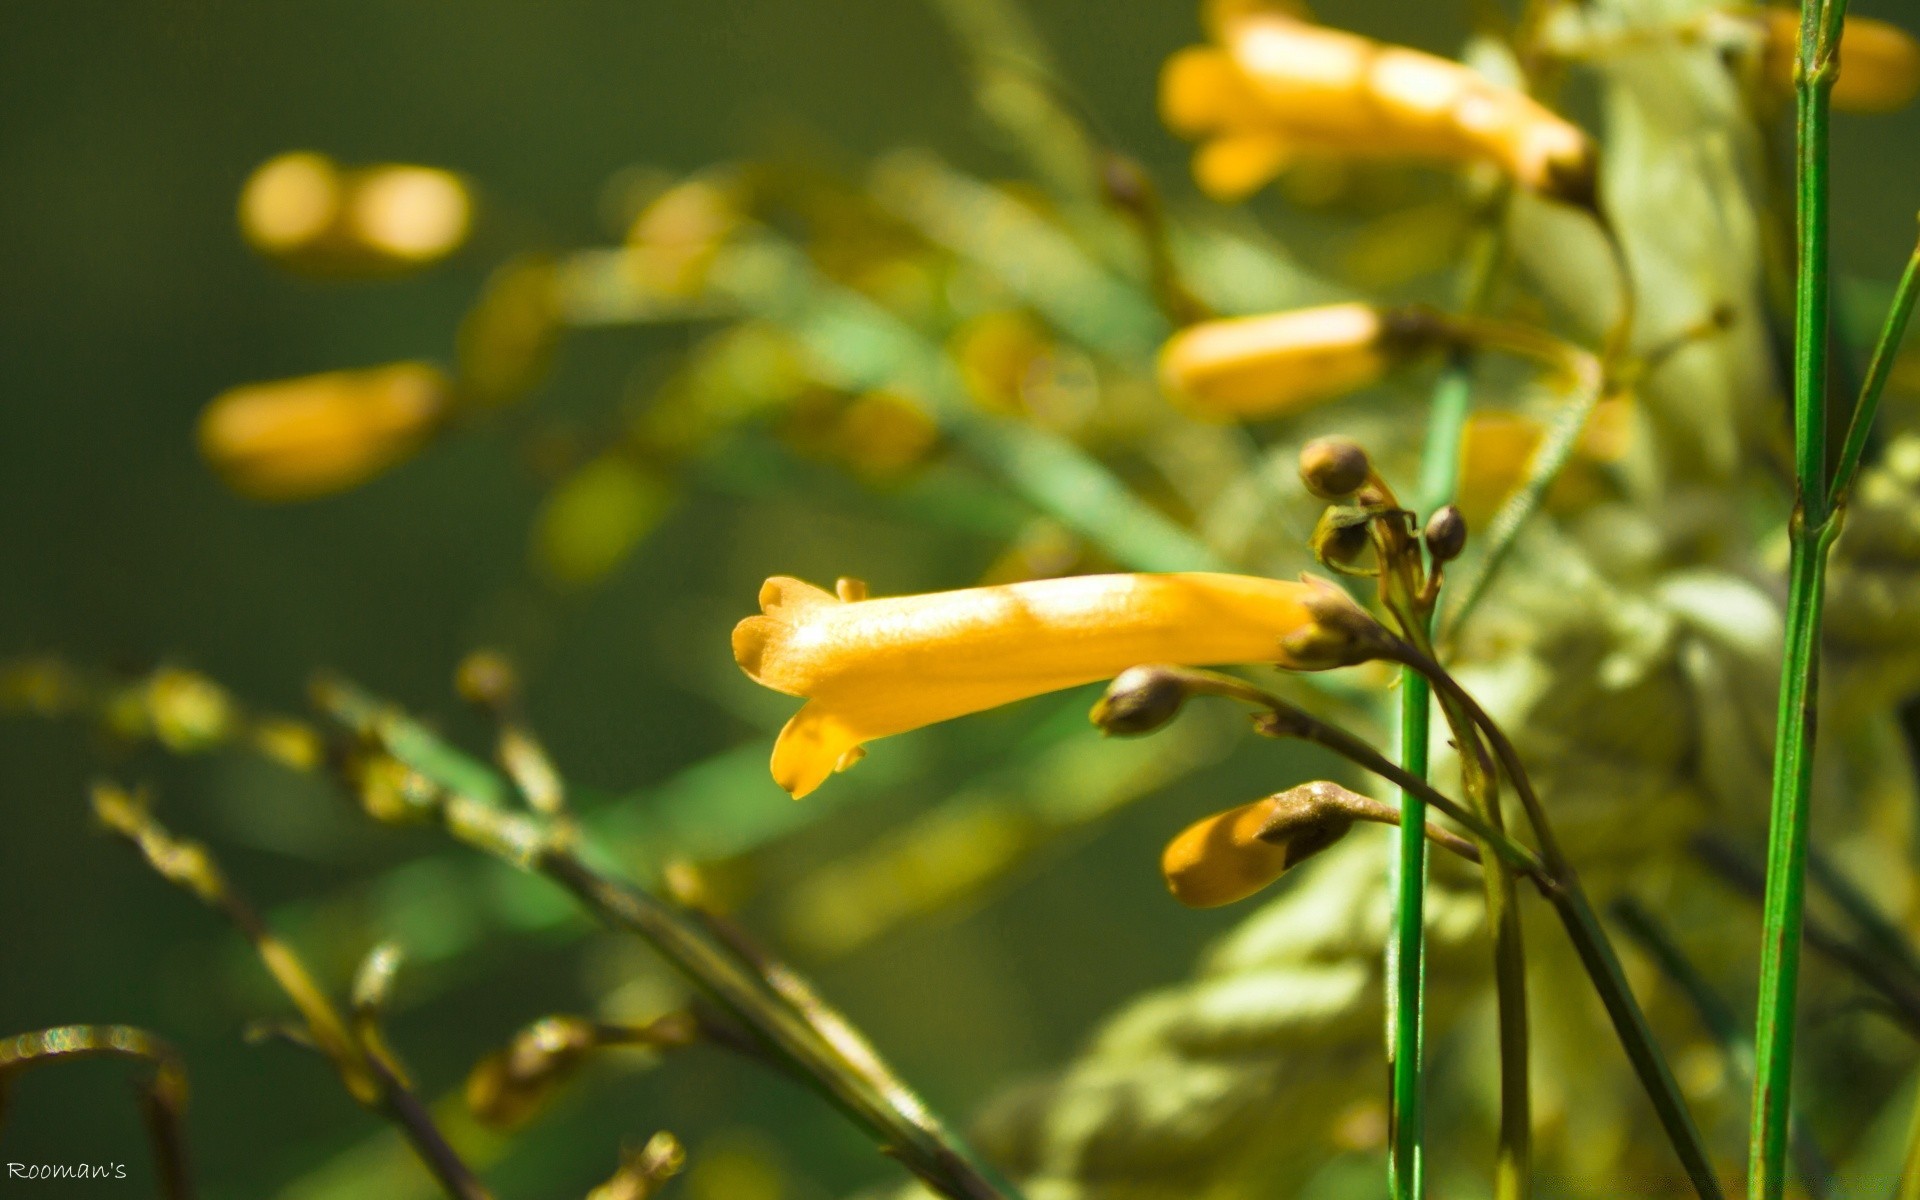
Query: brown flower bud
[(1140, 700), (1445, 534), (1341, 536), (1334, 468)]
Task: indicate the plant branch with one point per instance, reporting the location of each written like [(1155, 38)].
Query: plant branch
[(1406, 935), (1878, 370), (1811, 533), (1590, 939), (369, 1077), (162, 1098), (836, 1063)]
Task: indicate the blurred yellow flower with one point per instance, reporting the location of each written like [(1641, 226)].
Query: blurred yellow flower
[(872, 668), (1879, 62), (295, 439), (305, 212), (1275, 87), (1279, 363)]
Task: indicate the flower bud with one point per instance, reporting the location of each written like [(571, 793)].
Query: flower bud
[(305, 212), (1233, 854), (296, 439), (1140, 700), (486, 679), (1445, 534), (1341, 536), (509, 1086), (1334, 468)]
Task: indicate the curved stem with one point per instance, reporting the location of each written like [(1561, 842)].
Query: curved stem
[(1590, 941)]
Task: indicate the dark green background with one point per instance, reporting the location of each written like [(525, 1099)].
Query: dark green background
[(127, 300)]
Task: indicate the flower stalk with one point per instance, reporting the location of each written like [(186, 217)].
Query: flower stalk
[(1407, 872), (1819, 509)]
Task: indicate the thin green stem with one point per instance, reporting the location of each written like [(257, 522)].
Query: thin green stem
[(1406, 939), (1407, 869), (1811, 534), (1590, 941), (1891, 335)]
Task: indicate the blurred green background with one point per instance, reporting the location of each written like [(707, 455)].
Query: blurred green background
[(127, 300)]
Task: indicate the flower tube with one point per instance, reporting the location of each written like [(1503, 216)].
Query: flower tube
[(1276, 86), (871, 668), (296, 439), (1281, 363)]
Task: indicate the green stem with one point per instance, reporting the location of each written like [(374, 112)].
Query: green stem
[(1590, 940), (1881, 367), (1513, 1164), (1811, 533), (1407, 869), (1785, 902)]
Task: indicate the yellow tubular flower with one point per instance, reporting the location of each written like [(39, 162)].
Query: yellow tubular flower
[(294, 439), (872, 668), (1278, 85), (1879, 62), (1281, 363)]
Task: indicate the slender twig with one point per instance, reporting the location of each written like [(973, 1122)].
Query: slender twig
[(1590, 938), (162, 1098), (1406, 948), (1736, 1044), (370, 1078), (1878, 371), (860, 1085), (1811, 531)]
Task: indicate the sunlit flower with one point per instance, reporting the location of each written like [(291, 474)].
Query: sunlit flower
[(1879, 62), (306, 212), (1275, 87), (1280, 363), (871, 668), (294, 439)]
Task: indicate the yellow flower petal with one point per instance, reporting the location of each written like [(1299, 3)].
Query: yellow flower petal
[(1234, 166), (872, 668)]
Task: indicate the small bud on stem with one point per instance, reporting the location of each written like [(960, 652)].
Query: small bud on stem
[(1334, 468)]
